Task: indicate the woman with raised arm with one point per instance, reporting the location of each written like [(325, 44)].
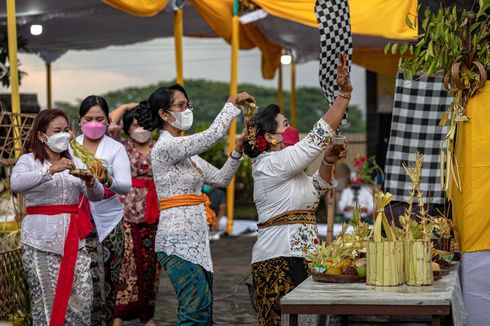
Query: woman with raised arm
[(182, 241), (286, 198), (139, 277), (54, 255)]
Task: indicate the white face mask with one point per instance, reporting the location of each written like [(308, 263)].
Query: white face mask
[(183, 120), (58, 142), (140, 135)]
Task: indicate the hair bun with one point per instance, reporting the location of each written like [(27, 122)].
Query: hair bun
[(144, 115)]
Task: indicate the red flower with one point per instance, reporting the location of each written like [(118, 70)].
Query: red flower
[(358, 181), (363, 159), (358, 163), (315, 241), (261, 143)]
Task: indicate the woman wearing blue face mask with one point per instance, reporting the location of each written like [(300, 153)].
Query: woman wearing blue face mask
[(182, 241), (53, 232)]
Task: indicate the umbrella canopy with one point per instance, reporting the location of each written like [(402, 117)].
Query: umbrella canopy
[(92, 24)]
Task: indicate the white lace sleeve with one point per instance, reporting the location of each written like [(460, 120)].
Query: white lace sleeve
[(175, 149), (294, 159), (218, 177), (27, 175)]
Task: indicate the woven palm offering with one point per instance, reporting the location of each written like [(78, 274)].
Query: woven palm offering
[(385, 255), (248, 108), (342, 261), (94, 165), (417, 231)]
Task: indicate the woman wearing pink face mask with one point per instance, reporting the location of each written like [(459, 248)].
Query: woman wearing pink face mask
[(138, 281), (286, 198), (106, 246)]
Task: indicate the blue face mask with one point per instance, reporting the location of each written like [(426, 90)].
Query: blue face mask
[(206, 189)]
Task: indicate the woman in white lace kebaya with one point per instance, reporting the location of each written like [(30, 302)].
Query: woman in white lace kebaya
[(182, 240), (286, 198), (54, 254)]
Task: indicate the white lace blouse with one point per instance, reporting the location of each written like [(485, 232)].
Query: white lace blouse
[(31, 178), (281, 185), (177, 170)]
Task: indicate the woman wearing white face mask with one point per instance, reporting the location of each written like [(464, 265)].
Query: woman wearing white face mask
[(138, 281), (182, 241), (106, 246), (53, 231)]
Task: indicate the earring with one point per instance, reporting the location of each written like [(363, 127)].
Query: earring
[(274, 142)]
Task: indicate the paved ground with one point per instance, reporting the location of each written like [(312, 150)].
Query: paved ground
[(231, 257)]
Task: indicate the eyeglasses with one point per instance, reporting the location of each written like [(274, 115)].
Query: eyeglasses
[(183, 106)]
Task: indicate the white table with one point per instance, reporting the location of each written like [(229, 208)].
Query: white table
[(442, 299)]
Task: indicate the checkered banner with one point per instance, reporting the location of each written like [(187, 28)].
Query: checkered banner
[(418, 108), (335, 38)]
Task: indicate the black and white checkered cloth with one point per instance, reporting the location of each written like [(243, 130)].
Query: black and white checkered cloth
[(335, 38), (418, 108)]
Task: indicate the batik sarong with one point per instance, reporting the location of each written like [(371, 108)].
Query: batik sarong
[(193, 287), (139, 277), (273, 279), (105, 264)]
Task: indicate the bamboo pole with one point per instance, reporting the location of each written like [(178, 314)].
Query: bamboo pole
[(178, 34), (49, 103), (230, 191), (14, 72), (280, 95), (293, 91)]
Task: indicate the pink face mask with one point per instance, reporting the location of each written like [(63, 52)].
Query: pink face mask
[(290, 136), (93, 129)]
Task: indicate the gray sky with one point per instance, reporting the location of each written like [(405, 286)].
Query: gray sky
[(81, 73)]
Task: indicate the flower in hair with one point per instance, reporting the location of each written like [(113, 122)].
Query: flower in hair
[(261, 143)]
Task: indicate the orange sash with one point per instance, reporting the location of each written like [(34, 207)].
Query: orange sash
[(190, 200)]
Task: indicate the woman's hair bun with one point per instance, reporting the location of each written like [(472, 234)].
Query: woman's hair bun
[(144, 115)]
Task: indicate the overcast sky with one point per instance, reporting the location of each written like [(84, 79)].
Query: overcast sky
[(81, 73)]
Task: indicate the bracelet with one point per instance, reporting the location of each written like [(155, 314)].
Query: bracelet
[(235, 158), (347, 96), (327, 163)]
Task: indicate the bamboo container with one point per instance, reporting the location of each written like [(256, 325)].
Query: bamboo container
[(385, 263), (418, 262), (385, 256)]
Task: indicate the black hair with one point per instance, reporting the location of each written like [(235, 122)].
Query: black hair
[(161, 99), (91, 101), (128, 119), (265, 122)]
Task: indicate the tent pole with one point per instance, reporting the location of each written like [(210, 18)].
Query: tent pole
[(178, 33), (14, 73), (293, 92), (230, 192), (48, 86), (280, 97)]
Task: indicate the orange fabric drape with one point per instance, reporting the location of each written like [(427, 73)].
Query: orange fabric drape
[(218, 14), (384, 18), (144, 8)]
